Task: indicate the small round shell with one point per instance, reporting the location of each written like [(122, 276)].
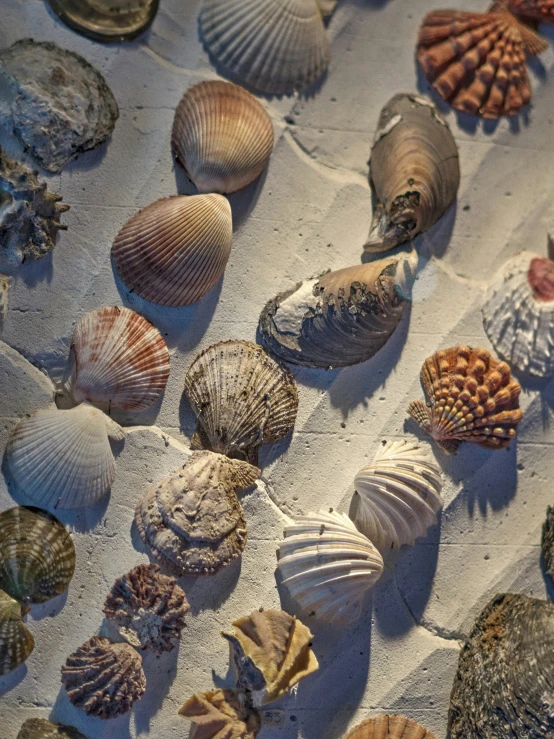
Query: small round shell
[(221, 714), (106, 20), (389, 727), (40, 728), (16, 641)]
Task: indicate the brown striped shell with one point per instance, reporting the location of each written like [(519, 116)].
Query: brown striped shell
[(221, 714), (106, 20), (16, 641), (40, 728), (533, 10), (389, 727)]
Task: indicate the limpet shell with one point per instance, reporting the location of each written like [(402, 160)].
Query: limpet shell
[(389, 727), (16, 641), (106, 20), (221, 714), (40, 728)]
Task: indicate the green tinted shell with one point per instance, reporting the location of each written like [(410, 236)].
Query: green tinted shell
[(16, 641)]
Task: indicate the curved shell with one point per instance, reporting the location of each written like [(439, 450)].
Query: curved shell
[(222, 136), (470, 396), (242, 398), (389, 727), (414, 171), (276, 46), (533, 10), (16, 641), (63, 459), (40, 728), (219, 714), (399, 495), (120, 359), (106, 20), (176, 249)]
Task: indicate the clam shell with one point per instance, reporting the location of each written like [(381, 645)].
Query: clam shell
[(222, 136), (547, 542), (221, 714), (389, 727), (399, 495), (40, 728), (414, 171), (16, 641), (63, 459), (534, 10), (175, 250), (106, 20), (328, 566), (276, 46)]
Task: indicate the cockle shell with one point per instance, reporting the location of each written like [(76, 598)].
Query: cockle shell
[(104, 678), (470, 396), (175, 250), (120, 359), (106, 20), (63, 459), (399, 495), (16, 641), (242, 398), (341, 318), (534, 10), (222, 136), (276, 46), (547, 542), (389, 727), (40, 728), (414, 171), (327, 565), (221, 714)]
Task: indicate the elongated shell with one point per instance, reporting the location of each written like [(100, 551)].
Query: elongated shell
[(221, 714), (414, 171), (63, 459), (328, 566), (389, 727), (222, 136), (399, 495), (176, 249), (106, 20), (40, 728), (534, 10), (16, 641), (276, 46)]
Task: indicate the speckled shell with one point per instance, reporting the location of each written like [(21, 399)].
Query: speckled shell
[(534, 10), (104, 678), (414, 172), (221, 714), (40, 728), (16, 641), (470, 396), (328, 566), (176, 249), (547, 542), (389, 727), (105, 20), (222, 136), (399, 495)]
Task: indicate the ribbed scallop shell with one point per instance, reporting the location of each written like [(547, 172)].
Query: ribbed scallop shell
[(63, 459), (327, 565), (176, 249), (535, 10), (16, 641), (221, 714), (276, 46), (389, 727), (470, 396), (40, 728), (106, 20), (222, 136)]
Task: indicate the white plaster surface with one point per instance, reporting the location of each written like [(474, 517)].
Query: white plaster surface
[(309, 212)]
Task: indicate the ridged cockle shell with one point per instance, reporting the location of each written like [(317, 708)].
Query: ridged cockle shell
[(16, 641), (221, 714), (40, 728), (389, 727), (106, 20)]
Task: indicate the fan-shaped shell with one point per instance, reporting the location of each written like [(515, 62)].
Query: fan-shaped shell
[(63, 459), (276, 46), (16, 641), (176, 249), (106, 20), (221, 714), (534, 10), (414, 172), (399, 495), (389, 727), (222, 136), (470, 396), (40, 728)]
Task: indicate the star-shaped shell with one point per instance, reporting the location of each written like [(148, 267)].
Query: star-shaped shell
[(389, 727), (105, 20), (16, 641), (221, 714), (40, 728)]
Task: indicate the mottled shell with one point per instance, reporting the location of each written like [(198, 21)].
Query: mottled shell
[(63, 459), (414, 172), (547, 542), (389, 727), (242, 398), (399, 495), (104, 678), (221, 714), (106, 20), (16, 641), (222, 136), (120, 359), (470, 396), (176, 249), (533, 10), (40, 728), (328, 566), (149, 608), (276, 46)]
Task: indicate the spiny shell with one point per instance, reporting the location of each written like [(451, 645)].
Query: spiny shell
[(106, 20), (547, 541), (149, 608), (192, 520), (222, 136), (534, 10), (399, 495), (16, 641), (221, 714), (414, 172), (327, 565), (40, 728), (242, 398), (276, 46), (176, 249), (104, 678), (120, 359), (63, 459), (341, 318), (389, 727), (470, 396)]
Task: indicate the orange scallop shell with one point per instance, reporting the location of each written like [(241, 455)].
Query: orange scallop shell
[(536, 10), (389, 727)]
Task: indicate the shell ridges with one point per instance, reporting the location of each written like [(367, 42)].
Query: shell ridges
[(389, 727), (16, 641)]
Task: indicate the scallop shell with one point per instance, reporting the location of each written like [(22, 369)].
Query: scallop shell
[(470, 396), (414, 171), (104, 678), (547, 542), (106, 20), (534, 10), (40, 728), (276, 46), (221, 714), (120, 359), (175, 250), (389, 727), (222, 136), (242, 398), (399, 495), (341, 318), (16, 641), (63, 459)]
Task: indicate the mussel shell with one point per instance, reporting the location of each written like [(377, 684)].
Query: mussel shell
[(16, 641), (40, 728), (106, 20)]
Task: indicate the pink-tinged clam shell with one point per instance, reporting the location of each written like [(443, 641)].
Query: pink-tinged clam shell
[(541, 279)]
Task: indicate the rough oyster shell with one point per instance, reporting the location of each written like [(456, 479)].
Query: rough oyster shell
[(547, 541), (221, 714), (106, 20), (414, 171), (533, 10), (389, 727), (40, 728), (16, 641)]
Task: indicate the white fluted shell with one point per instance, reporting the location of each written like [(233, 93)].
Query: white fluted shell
[(327, 565)]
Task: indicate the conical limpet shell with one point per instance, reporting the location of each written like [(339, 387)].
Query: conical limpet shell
[(16, 641), (533, 10), (221, 714), (40, 728), (389, 727), (106, 20)]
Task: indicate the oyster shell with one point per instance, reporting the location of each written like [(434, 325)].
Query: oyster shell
[(106, 20), (547, 541), (54, 102), (533, 10), (16, 641), (221, 714), (414, 171), (40, 728), (470, 396), (389, 727)]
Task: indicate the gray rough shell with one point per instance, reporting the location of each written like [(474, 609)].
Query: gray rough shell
[(16, 641), (106, 20), (389, 727), (547, 541), (40, 728)]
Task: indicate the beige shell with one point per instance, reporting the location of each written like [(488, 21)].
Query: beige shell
[(389, 727), (40, 728), (106, 20), (222, 136), (16, 641), (221, 714), (176, 249)]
